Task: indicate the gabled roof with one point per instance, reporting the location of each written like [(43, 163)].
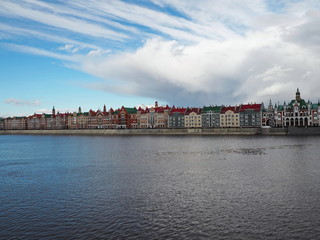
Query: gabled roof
[(235, 109), (255, 107), (115, 112), (191, 110), (162, 109), (92, 113), (143, 111)]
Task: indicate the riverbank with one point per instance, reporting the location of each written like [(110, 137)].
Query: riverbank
[(212, 131), (110, 132)]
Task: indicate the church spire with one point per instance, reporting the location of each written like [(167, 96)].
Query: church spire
[(298, 98)]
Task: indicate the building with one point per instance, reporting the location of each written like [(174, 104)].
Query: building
[(15, 123), (1, 124), (297, 113), (154, 117), (143, 118), (161, 116), (176, 118), (268, 116), (34, 122), (278, 115), (61, 120), (211, 116), (251, 115), (125, 118), (192, 118), (230, 116), (315, 114)]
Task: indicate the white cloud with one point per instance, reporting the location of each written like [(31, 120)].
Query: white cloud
[(18, 102), (73, 24), (69, 48), (215, 52)]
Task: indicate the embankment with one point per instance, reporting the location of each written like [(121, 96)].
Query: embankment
[(213, 131), (110, 132)]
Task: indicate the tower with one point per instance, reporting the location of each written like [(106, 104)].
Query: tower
[(270, 106), (53, 112), (298, 98), (104, 109), (156, 104), (79, 111)]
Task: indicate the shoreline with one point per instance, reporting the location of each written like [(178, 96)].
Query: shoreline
[(121, 132), (191, 131)]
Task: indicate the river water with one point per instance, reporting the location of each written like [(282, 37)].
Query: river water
[(159, 187)]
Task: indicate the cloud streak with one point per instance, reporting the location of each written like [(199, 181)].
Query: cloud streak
[(17, 102), (181, 52)]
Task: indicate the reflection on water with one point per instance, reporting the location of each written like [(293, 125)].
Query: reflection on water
[(59, 187)]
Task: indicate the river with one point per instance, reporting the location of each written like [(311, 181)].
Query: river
[(159, 187)]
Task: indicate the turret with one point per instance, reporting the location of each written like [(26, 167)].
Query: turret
[(270, 107), (298, 98)]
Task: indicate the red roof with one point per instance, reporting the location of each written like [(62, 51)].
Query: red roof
[(235, 109), (162, 109), (92, 113), (178, 110), (143, 111), (195, 110), (255, 107)]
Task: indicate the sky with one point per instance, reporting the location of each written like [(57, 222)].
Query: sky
[(178, 52)]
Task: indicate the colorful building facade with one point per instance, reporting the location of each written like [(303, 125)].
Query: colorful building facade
[(297, 113), (251, 115), (211, 116), (230, 116)]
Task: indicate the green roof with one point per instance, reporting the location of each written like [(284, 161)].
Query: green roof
[(84, 114), (47, 115), (302, 102), (131, 110), (21, 117), (280, 107), (115, 112), (215, 109)]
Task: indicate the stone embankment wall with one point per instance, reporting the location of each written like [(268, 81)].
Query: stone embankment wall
[(213, 131), (193, 131), (303, 131)]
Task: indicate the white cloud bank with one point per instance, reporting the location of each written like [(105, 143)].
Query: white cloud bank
[(219, 52)]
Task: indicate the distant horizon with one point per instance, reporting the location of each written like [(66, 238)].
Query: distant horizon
[(143, 106), (182, 53)]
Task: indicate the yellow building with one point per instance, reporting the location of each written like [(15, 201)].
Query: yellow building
[(230, 116), (192, 118)]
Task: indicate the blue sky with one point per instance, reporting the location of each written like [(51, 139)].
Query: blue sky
[(90, 53)]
